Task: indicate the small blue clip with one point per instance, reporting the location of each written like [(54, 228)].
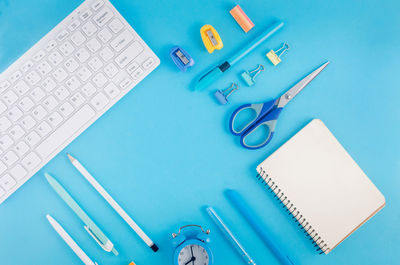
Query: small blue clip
[(222, 95), (249, 77), (181, 58)]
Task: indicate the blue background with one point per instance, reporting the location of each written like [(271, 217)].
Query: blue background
[(164, 151)]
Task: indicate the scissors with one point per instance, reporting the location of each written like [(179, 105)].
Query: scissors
[(267, 114)]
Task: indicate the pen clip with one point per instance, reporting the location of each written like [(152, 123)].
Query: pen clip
[(107, 247)]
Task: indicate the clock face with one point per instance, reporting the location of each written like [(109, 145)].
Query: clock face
[(193, 255)]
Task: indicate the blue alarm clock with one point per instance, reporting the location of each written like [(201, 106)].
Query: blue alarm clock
[(191, 247)]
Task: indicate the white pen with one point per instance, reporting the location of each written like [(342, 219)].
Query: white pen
[(70, 242), (112, 203)]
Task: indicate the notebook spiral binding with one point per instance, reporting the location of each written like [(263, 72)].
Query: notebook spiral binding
[(301, 221)]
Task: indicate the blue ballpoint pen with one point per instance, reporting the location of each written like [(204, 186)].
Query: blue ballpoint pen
[(90, 226)]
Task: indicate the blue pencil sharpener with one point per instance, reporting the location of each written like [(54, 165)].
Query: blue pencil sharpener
[(181, 58)]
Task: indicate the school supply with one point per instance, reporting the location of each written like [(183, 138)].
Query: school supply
[(181, 58), (241, 18), (63, 84), (249, 76), (192, 247), (112, 202), (275, 56), (241, 205), (216, 72), (266, 115), (222, 95), (211, 39), (90, 227), (70, 242), (321, 186), (229, 236)]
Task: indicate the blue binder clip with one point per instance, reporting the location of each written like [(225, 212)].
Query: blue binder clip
[(222, 95), (249, 77), (181, 58)]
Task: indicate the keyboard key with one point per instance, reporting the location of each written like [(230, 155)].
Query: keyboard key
[(44, 68), (33, 78), (18, 172), (14, 114), (104, 35), (82, 54), (71, 65), (96, 5), (148, 63), (66, 48), (121, 40), (3, 167), (5, 142), (15, 76), (10, 158), (84, 73), (93, 45), (21, 88), (37, 94), (43, 129), (89, 29), (31, 161), (116, 25), (39, 55), (125, 83), (48, 84), (4, 85), (86, 14), (73, 83), (7, 182), (61, 93), (21, 148), (26, 104), (129, 54), (95, 64), (62, 35), (106, 54), (99, 101), (26, 66), (88, 89), (137, 73), (55, 58), (74, 25), (28, 122), (50, 45), (77, 100), (112, 90), (66, 109), (55, 119), (132, 67), (78, 38), (17, 132), (39, 113), (100, 80), (71, 126), (50, 103), (32, 139), (9, 97), (103, 16), (111, 70), (5, 123), (3, 107), (59, 74)]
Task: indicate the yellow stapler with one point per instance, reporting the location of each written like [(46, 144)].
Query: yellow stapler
[(211, 38)]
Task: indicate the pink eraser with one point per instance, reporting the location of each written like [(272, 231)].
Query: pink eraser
[(241, 18)]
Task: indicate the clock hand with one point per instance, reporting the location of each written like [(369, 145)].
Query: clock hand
[(193, 257)]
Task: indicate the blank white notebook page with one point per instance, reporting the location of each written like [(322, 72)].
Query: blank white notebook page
[(324, 183)]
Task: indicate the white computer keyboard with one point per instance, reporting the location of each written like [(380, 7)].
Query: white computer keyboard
[(63, 84)]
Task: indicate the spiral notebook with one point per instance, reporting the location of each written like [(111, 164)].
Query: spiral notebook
[(321, 186)]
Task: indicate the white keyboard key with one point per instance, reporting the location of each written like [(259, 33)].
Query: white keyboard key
[(89, 29), (103, 16), (39, 55), (137, 73), (14, 114), (18, 172), (95, 64), (148, 63), (50, 103), (100, 80), (66, 48), (21, 148), (5, 142), (84, 73), (10, 158), (28, 122), (39, 113), (7, 182), (50, 45), (21, 88), (43, 129), (4, 85), (48, 84), (77, 100), (86, 14), (55, 119), (96, 5), (121, 40), (66, 109), (62, 35), (116, 25), (17, 132), (37, 94), (33, 78), (32, 139), (44, 68), (132, 67), (61, 93), (74, 25), (71, 126), (9, 97), (26, 66), (31, 161), (5, 123), (15, 76), (129, 54), (106, 54), (104, 35), (99, 101), (82, 54), (3, 167), (3, 107), (71, 65), (111, 70), (59, 74), (78, 38), (88, 89), (93, 45), (112, 90), (126, 83), (26, 104), (55, 58), (73, 83)]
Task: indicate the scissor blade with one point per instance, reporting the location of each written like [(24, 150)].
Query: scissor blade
[(292, 92)]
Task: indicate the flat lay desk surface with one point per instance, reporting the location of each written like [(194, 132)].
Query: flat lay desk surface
[(163, 152)]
